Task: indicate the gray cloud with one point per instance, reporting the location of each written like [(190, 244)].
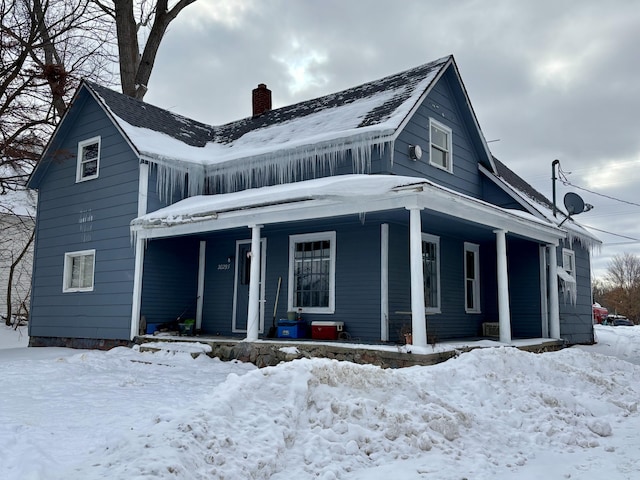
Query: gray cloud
[(550, 79)]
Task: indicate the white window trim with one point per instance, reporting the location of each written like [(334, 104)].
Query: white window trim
[(570, 270), (312, 237), (67, 272), (475, 248), (449, 132), (81, 145), (427, 237)]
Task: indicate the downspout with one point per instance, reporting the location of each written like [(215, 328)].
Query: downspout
[(554, 164)]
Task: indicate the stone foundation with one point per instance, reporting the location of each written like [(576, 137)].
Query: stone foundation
[(82, 343), (269, 353)]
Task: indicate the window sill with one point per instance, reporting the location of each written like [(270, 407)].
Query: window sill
[(74, 290), (440, 167), (80, 180), (315, 310)]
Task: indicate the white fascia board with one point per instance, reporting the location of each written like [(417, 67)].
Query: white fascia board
[(422, 98), (489, 215), (422, 196), (505, 187), (271, 214), (114, 120)]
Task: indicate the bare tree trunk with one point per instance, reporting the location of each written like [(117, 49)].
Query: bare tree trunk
[(136, 68), (53, 70), (12, 270), (128, 49)]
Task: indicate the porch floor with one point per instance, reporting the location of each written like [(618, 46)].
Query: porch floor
[(271, 351)]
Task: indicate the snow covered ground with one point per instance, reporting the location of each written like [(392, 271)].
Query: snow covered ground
[(495, 413)]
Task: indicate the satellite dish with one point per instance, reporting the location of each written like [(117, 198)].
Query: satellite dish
[(573, 203)]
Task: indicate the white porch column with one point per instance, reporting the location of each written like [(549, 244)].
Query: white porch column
[(201, 272), (418, 320), (503, 287), (544, 296), (137, 288), (554, 308), (384, 282), (253, 313)]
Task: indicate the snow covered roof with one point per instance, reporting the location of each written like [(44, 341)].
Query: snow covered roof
[(310, 136), (329, 197)]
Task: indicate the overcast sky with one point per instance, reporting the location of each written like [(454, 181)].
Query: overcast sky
[(547, 78)]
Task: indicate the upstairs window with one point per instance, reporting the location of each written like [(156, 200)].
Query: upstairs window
[(78, 271), (440, 141), (312, 266), (88, 159)]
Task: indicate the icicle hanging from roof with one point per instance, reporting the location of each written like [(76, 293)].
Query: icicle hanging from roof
[(275, 167), (569, 286)]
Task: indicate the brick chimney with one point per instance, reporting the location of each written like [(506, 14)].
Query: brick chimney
[(261, 99)]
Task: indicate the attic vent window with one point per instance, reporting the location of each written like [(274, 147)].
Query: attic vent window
[(440, 151), (88, 159)]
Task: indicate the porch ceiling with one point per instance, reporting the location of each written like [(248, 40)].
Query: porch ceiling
[(332, 197)]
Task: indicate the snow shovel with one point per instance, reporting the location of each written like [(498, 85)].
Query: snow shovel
[(273, 329)]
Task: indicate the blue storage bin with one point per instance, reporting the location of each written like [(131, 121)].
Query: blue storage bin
[(291, 329), (153, 328)]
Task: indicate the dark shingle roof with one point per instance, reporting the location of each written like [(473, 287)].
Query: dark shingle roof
[(518, 183), (193, 133), (404, 83), (144, 115)]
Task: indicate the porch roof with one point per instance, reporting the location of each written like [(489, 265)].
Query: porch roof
[(332, 197)]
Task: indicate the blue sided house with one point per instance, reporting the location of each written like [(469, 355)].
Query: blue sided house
[(380, 206)]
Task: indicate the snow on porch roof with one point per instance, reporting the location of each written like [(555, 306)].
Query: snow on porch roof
[(315, 131), (329, 197)]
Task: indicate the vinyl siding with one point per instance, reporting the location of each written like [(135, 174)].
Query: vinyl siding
[(576, 321), (357, 302), (93, 214), (493, 194), (170, 282), (524, 288), (452, 321), (443, 106)]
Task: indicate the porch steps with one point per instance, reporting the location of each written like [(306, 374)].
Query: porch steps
[(270, 352)]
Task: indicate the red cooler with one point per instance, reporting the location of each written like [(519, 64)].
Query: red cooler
[(326, 330)]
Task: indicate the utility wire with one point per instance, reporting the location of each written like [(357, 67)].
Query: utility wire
[(565, 182), (611, 233), (562, 176)]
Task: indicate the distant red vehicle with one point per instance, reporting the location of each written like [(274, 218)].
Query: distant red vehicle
[(599, 313)]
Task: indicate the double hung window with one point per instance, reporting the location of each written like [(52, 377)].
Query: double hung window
[(88, 159), (431, 272), (472, 277), (312, 260), (440, 141)]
